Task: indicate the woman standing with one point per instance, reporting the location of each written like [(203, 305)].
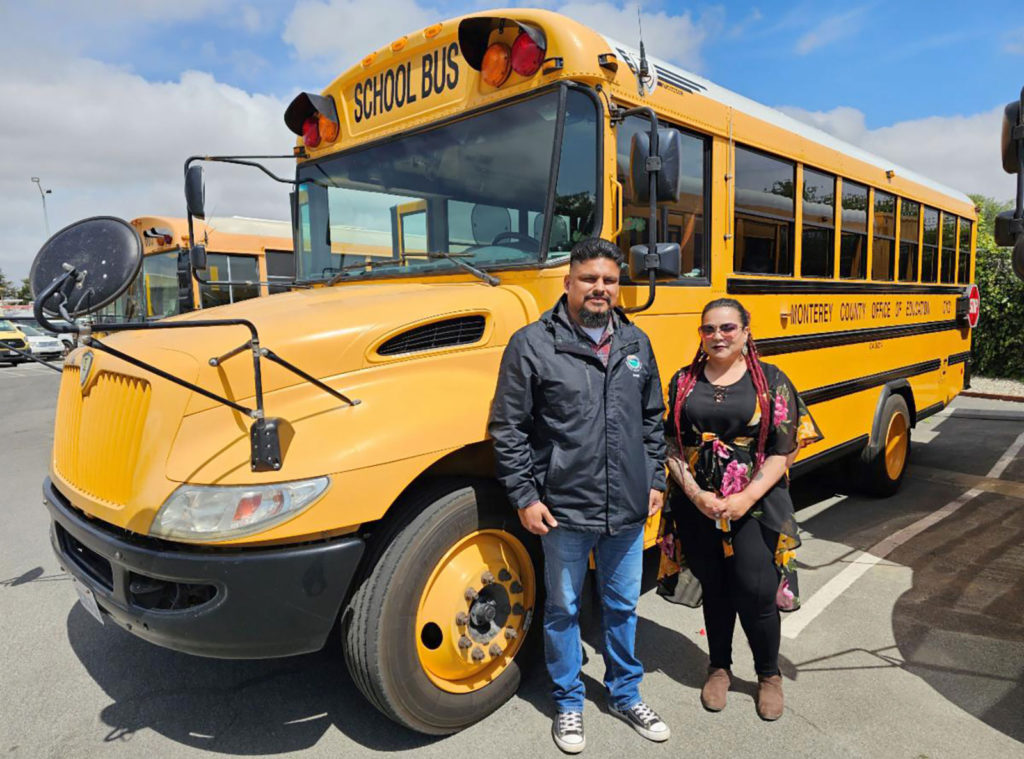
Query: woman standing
[(734, 426)]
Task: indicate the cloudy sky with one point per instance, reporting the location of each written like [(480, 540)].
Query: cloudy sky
[(104, 100)]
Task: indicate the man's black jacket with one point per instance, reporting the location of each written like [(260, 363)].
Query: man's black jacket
[(585, 440)]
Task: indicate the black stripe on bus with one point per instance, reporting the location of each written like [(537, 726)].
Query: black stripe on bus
[(933, 409), (956, 358), (801, 468), (849, 387), (773, 346), (738, 286)]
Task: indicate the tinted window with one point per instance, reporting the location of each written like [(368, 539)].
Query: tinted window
[(964, 268), (765, 213), (948, 247), (280, 268), (930, 246), (819, 209), (683, 222), (910, 222), (854, 240), (237, 269), (883, 247)]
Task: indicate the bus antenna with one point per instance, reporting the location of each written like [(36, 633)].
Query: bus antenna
[(643, 74)]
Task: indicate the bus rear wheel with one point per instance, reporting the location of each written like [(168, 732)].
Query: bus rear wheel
[(432, 634), (882, 467)]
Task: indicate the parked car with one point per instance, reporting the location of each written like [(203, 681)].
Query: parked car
[(42, 344), (67, 339), (11, 337)]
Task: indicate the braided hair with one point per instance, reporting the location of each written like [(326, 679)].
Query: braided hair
[(688, 379)]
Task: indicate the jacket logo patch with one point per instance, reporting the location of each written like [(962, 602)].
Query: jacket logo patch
[(633, 362)]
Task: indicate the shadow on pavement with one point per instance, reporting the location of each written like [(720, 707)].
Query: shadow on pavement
[(250, 707)]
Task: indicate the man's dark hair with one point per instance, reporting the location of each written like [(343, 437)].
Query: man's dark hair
[(595, 247)]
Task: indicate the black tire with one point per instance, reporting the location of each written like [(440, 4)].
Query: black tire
[(876, 476), (378, 627)]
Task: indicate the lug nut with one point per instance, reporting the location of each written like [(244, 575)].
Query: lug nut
[(465, 642), (487, 578), (516, 587), (510, 633), (494, 650), (504, 575), (478, 654), (462, 618), (471, 594), (517, 609)]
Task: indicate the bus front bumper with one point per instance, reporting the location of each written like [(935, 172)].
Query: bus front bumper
[(226, 603)]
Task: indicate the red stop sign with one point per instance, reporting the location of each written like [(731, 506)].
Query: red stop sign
[(973, 306)]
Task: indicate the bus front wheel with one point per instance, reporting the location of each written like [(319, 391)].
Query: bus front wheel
[(883, 465), (432, 634)]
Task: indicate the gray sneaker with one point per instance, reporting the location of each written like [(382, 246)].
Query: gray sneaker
[(645, 721), (567, 730)]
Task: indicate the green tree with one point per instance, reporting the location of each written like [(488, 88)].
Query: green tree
[(998, 341), (25, 292), (7, 289)]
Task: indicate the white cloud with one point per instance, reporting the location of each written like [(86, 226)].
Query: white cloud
[(831, 29), (110, 142), (338, 33), (1014, 42), (959, 151), (676, 38), (251, 19)]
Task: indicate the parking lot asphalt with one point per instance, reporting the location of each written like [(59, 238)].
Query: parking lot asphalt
[(910, 642)]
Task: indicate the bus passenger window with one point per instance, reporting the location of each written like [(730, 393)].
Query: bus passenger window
[(228, 268), (910, 229), (853, 243), (682, 222), (765, 214), (963, 275), (883, 252), (819, 207), (280, 270), (930, 249), (948, 247)]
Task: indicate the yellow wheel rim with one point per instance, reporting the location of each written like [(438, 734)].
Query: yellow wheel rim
[(897, 441), (475, 610)]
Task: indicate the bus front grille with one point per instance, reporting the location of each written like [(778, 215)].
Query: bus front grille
[(98, 433)]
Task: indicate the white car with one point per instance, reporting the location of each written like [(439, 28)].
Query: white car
[(42, 344)]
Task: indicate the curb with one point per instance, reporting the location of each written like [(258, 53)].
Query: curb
[(992, 396)]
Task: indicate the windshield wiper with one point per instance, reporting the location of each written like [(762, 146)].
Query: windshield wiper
[(488, 278), (344, 270)]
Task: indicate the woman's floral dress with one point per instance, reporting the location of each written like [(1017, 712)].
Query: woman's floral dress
[(718, 431)]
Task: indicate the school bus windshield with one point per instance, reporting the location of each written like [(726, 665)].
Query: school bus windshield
[(476, 188)]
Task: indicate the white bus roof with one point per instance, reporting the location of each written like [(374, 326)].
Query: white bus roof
[(244, 225), (758, 111)]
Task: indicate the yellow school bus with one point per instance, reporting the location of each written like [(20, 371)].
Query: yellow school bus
[(249, 257), (440, 185)]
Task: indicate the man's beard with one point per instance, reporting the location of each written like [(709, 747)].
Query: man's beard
[(593, 319)]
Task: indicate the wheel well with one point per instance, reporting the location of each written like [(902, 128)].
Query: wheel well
[(898, 387), (908, 395)]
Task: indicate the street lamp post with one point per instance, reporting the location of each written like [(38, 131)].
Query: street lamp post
[(43, 193)]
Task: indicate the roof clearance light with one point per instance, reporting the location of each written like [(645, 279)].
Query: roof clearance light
[(328, 129), (497, 64), (527, 55), (311, 132)]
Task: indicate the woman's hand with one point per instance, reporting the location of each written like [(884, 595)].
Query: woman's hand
[(709, 504), (736, 505)]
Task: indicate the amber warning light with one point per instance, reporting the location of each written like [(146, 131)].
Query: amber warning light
[(314, 118), (495, 60)]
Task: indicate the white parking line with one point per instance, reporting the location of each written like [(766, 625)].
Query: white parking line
[(810, 608)]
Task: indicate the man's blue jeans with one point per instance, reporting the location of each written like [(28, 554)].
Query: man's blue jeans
[(619, 561)]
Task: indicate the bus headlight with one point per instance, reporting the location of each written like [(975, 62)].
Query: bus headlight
[(211, 512)]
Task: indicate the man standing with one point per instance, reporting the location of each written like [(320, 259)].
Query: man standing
[(577, 428)]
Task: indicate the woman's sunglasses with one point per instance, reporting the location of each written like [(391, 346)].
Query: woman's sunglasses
[(728, 330)]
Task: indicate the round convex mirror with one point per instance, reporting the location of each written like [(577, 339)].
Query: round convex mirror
[(488, 222), (104, 249)]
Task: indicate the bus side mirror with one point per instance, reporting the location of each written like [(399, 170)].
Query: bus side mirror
[(665, 263), (1013, 136), (670, 172), (197, 257), (1007, 229), (195, 192)]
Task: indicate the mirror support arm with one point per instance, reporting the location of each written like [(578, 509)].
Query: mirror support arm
[(653, 167)]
